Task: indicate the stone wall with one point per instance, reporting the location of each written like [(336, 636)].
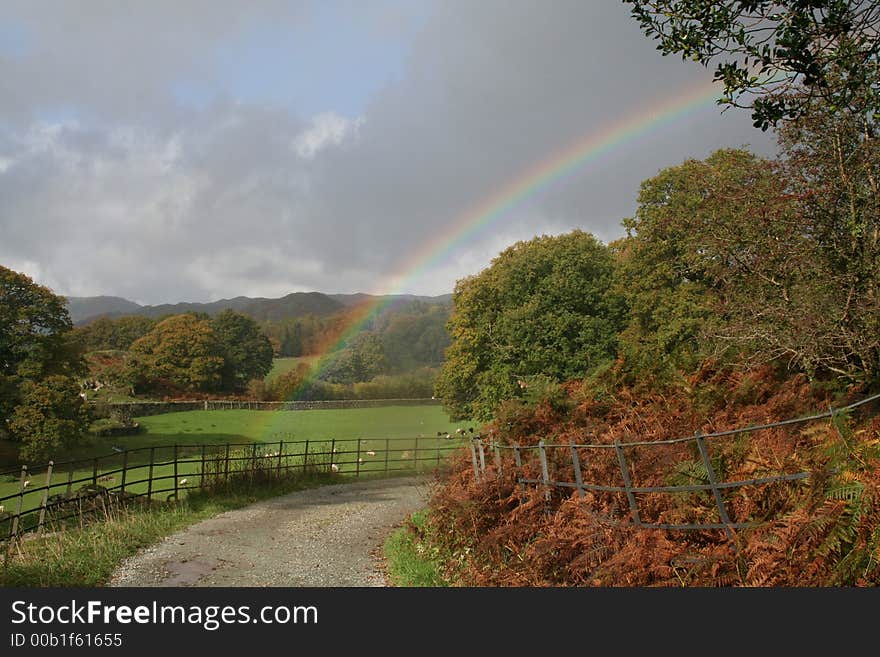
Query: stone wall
[(141, 409)]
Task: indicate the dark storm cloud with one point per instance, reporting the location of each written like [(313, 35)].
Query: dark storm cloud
[(109, 185)]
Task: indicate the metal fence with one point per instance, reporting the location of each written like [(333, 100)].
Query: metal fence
[(52, 495), (533, 467)]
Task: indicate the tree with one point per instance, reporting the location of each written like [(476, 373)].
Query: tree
[(708, 239), (764, 261), (361, 360), (767, 49), (106, 334), (50, 415), (181, 351), (39, 364), (416, 338), (543, 307), (831, 164), (246, 351)]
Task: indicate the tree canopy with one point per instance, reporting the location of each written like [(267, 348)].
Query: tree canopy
[(766, 49), (246, 351), (39, 366), (181, 351), (543, 308)]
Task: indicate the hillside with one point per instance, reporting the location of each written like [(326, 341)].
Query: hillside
[(83, 308), (297, 304)]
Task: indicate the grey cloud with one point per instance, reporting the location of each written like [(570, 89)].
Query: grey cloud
[(162, 203)]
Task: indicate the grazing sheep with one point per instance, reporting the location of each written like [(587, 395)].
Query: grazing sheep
[(334, 467), (183, 482), (371, 453)]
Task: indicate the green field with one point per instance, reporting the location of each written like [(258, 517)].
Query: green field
[(391, 433), (282, 365)]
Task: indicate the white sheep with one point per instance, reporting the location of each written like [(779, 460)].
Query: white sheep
[(183, 482), (334, 467), (371, 453)]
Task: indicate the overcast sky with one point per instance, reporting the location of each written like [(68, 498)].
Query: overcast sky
[(191, 150)]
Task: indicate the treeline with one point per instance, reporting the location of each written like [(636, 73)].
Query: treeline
[(410, 336), (729, 262), (300, 384), (396, 353), (177, 354)]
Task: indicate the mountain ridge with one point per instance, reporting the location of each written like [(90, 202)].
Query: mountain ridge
[(84, 310)]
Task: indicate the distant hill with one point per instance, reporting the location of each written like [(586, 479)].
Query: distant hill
[(298, 304), (360, 297), (81, 308)]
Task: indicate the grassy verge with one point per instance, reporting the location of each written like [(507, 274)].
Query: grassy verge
[(409, 560), (87, 556)]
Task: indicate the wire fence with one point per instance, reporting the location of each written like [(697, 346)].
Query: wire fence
[(34, 498), (544, 465)]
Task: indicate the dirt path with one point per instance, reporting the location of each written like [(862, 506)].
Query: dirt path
[(324, 536)]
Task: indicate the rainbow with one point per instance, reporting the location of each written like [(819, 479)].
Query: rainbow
[(482, 216)]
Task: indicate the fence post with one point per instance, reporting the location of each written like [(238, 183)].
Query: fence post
[(474, 461), (627, 483), (175, 473), (545, 473), (332, 453), (280, 452), (150, 474), (45, 498), (69, 481), (482, 456), (416, 456), (95, 471), (357, 472), (578, 476), (497, 450), (306, 456), (21, 486), (519, 466), (226, 467), (387, 448), (124, 469), (202, 476), (713, 482)]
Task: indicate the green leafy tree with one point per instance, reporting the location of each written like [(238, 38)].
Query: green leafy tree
[(361, 360), (35, 346), (766, 49), (543, 307), (831, 165), (247, 352), (416, 339), (707, 235), (181, 351), (50, 415), (757, 260), (106, 334)]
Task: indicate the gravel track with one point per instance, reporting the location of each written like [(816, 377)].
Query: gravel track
[(327, 536)]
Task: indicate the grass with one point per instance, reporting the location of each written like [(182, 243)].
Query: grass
[(282, 365), (408, 562), (87, 557), (357, 432), (272, 426)]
